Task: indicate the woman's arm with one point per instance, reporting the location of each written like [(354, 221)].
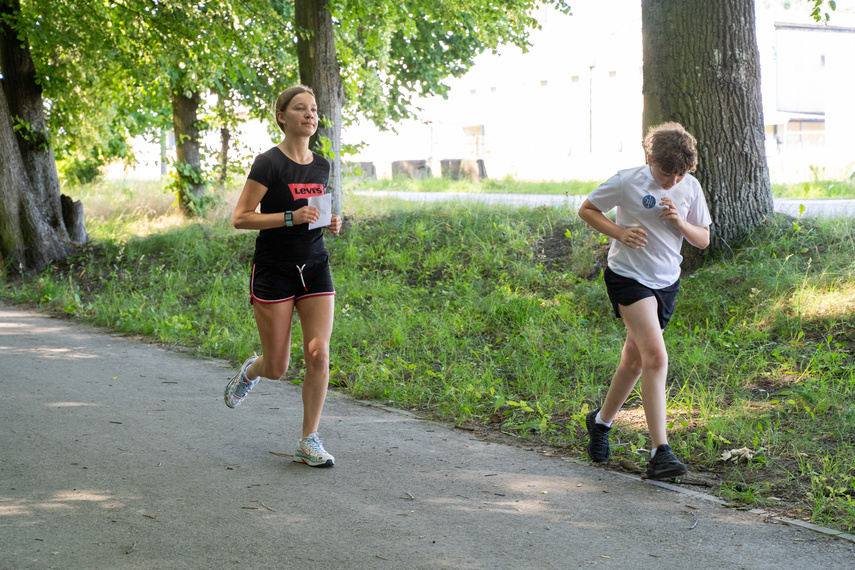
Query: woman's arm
[(246, 218)]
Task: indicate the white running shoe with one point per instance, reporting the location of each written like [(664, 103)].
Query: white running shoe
[(238, 387), (311, 452)]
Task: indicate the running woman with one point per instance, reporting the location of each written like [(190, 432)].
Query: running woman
[(290, 267)]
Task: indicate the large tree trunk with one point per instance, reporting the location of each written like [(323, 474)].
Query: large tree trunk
[(319, 70), (702, 69), (32, 229), (188, 158), (225, 145), (225, 142)]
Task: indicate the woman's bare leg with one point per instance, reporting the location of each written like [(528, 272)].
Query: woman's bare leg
[(316, 320)]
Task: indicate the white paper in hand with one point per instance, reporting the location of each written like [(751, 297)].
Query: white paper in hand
[(324, 205)]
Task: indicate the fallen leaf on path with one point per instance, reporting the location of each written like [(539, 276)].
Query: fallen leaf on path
[(737, 455)]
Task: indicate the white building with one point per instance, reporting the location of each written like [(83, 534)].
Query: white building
[(811, 130), (571, 107)]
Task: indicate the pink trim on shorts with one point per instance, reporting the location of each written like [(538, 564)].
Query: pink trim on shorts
[(253, 298), (301, 297)]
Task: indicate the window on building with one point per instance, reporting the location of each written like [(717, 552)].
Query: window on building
[(475, 134)]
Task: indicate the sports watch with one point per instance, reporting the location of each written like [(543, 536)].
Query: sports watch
[(289, 219)]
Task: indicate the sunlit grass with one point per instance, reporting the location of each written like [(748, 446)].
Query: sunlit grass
[(495, 316), (506, 185), (818, 189)]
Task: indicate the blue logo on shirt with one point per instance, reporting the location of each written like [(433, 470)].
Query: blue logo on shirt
[(648, 201)]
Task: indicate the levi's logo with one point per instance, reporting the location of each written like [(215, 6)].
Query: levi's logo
[(303, 191)]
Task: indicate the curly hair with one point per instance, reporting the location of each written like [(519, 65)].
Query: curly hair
[(671, 148), (284, 98)]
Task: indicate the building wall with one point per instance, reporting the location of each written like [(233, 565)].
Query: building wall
[(571, 107)]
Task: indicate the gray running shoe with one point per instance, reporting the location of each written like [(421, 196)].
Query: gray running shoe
[(238, 387)]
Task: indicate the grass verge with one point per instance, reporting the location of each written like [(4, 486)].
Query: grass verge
[(817, 189), (496, 319)]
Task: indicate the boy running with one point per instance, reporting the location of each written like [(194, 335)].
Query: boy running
[(658, 206)]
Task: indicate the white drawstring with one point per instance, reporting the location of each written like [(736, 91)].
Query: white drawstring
[(300, 269)]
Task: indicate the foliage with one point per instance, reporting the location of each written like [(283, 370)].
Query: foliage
[(495, 317), (392, 52), (818, 13), (108, 69), (34, 137)]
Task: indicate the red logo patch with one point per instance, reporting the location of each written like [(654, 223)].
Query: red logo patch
[(303, 191)]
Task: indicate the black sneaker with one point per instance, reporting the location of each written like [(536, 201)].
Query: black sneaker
[(598, 444), (664, 464)]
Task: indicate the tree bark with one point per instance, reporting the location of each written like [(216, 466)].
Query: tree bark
[(188, 158), (225, 145), (702, 69), (225, 141), (32, 231), (319, 69)]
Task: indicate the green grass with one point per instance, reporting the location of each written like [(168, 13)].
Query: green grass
[(496, 318), (490, 185), (843, 189), (816, 189)]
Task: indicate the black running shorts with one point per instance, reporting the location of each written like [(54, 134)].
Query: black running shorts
[(625, 291), (277, 284)]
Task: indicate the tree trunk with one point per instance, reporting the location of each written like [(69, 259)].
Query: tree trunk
[(188, 158), (164, 160), (319, 70), (702, 69), (32, 231), (225, 140)]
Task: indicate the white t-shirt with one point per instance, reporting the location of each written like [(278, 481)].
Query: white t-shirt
[(636, 196)]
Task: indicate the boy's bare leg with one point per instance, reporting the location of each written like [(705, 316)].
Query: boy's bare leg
[(642, 325), (623, 381), (316, 320)]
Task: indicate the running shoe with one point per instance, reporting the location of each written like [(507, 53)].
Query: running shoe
[(598, 442), (311, 452), (238, 387), (664, 464)]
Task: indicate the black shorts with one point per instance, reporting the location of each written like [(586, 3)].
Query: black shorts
[(277, 284), (625, 291)]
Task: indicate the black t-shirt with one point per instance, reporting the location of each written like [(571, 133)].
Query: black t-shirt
[(289, 186)]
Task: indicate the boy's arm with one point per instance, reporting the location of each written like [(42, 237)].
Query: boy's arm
[(696, 235), (630, 237)]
